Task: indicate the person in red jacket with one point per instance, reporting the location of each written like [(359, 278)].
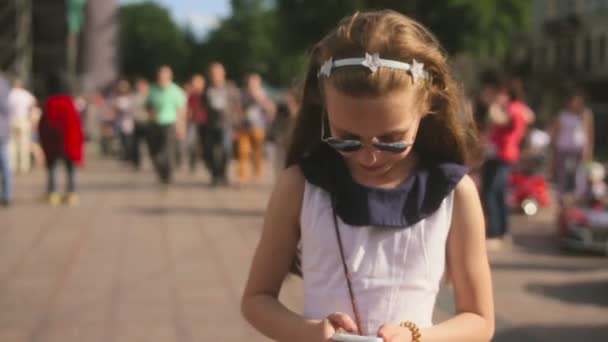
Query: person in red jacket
[(508, 118), (62, 140)]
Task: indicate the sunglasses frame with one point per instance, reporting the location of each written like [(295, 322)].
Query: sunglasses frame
[(354, 145)]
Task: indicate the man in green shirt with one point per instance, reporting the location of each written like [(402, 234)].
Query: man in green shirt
[(167, 105)]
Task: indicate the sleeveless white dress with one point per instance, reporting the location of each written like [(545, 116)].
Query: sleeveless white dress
[(396, 272)]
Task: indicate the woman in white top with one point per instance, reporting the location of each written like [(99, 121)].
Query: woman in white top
[(573, 140), (376, 194), (20, 103)]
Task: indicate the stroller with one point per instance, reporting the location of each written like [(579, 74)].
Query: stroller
[(528, 187)]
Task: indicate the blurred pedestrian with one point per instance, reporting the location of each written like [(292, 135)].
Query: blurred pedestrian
[(141, 119), (197, 118), (37, 151), (5, 169), (490, 86), (167, 106), (508, 118), (108, 132), (573, 136), (62, 140), (223, 102), (21, 103), (280, 128), (122, 105), (259, 111)]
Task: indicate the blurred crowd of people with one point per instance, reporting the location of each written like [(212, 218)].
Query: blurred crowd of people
[(39, 134), (515, 140), (208, 119)]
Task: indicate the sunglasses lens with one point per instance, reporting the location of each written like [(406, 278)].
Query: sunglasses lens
[(396, 147), (344, 145)]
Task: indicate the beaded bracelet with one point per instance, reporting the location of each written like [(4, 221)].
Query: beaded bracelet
[(413, 328)]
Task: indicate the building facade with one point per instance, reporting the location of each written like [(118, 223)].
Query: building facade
[(33, 42), (571, 41)]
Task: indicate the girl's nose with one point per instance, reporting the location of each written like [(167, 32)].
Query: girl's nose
[(367, 156)]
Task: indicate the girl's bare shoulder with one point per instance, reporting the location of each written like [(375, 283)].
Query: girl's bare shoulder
[(291, 178), (289, 189), (465, 189)]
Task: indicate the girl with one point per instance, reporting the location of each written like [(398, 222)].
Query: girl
[(376, 194)]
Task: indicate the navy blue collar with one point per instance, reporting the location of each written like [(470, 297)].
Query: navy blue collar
[(357, 205)]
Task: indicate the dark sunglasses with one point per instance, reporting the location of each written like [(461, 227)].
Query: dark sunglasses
[(353, 145)]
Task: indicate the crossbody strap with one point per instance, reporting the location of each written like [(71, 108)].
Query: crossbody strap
[(346, 271)]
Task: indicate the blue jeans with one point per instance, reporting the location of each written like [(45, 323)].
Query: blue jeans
[(495, 177), (70, 172), (5, 170)]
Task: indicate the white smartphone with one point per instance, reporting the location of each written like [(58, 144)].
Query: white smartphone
[(340, 337)]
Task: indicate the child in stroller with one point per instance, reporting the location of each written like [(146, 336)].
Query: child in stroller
[(583, 216)]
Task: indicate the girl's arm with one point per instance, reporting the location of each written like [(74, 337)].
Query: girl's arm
[(271, 263), (469, 272)]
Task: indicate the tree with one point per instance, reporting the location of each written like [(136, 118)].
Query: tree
[(482, 27), (495, 26), (244, 42), (149, 38)]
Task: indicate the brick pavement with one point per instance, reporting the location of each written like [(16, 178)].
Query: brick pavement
[(136, 263)]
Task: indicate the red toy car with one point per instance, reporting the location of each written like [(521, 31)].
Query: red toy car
[(528, 192)]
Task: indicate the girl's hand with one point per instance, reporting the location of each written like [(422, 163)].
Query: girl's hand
[(394, 333), (324, 330)]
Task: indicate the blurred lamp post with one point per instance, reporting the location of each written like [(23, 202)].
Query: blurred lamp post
[(75, 18)]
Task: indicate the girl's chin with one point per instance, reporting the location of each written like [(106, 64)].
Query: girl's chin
[(371, 173)]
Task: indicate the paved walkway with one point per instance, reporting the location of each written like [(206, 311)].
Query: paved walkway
[(136, 263)]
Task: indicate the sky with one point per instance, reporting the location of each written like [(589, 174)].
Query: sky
[(202, 15)]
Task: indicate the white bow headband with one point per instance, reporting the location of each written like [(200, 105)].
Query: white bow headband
[(373, 62)]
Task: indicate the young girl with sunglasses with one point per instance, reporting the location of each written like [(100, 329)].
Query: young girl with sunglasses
[(375, 208)]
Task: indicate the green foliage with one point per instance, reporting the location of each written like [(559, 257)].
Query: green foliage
[(272, 37), (496, 24), (149, 38), (483, 27)]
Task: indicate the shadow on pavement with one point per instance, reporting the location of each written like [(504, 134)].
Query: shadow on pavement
[(119, 186), (587, 333), (539, 243), (217, 212), (544, 266), (589, 292)]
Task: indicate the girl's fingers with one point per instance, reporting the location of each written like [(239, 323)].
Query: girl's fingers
[(343, 321)]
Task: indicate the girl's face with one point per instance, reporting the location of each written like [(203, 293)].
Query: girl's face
[(392, 117)]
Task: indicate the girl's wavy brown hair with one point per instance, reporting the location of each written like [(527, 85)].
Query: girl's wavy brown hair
[(447, 135)]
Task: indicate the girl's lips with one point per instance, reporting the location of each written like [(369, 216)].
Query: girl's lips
[(371, 168)]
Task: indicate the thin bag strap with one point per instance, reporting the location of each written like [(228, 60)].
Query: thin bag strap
[(346, 271)]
